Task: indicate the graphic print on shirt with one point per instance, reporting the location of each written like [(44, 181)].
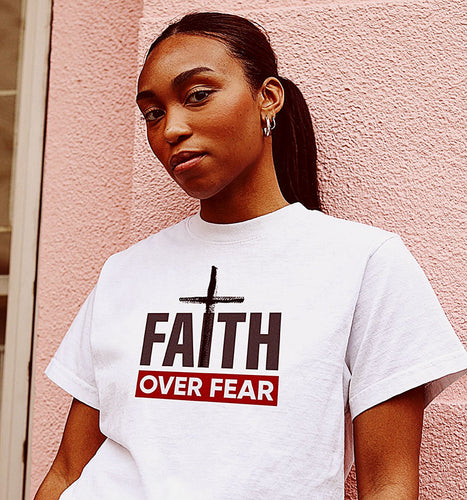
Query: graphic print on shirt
[(225, 387)]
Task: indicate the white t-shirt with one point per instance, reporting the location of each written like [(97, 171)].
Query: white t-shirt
[(227, 360)]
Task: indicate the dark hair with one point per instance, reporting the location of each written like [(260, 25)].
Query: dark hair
[(293, 143)]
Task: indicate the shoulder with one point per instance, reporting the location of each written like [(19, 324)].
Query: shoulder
[(156, 245), (336, 235)]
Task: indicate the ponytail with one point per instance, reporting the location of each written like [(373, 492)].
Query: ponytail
[(294, 149), (293, 143)]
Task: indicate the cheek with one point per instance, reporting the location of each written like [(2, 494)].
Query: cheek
[(160, 149), (237, 124), (157, 144)]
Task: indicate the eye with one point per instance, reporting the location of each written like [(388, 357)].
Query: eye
[(152, 115), (198, 96)]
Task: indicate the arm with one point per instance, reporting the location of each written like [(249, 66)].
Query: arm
[(387, 445), (81, 439)]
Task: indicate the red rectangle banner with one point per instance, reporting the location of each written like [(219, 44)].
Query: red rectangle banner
[(215, 387)]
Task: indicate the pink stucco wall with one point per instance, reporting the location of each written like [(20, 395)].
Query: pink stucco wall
[(383, 80)]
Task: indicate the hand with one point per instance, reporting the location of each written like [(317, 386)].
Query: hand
[(81, 439)]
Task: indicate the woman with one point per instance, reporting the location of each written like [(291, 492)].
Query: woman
[(243, 352)]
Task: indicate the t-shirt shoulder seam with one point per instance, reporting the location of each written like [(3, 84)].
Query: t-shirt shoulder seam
[(144, 241), (379, 235), (390, 236)]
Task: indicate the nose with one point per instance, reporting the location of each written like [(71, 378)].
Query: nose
[(176, 127)]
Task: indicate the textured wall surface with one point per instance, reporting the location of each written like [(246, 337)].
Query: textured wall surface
[(86, 203), (383, 80)]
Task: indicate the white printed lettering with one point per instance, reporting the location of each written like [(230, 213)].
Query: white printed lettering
[(216, 386), (230, 388), (165, 388), (180, 386), (194, 385), (247, 390), (153, 384), (264, 389)]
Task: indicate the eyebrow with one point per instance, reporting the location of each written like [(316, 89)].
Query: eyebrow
[(177, 81), (144, 94), (186, 75)]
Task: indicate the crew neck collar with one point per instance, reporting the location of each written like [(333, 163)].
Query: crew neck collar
[(255, 228)]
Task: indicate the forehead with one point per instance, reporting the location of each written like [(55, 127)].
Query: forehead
[(180, 53)]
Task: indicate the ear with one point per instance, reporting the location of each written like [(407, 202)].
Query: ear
[(271, 97)]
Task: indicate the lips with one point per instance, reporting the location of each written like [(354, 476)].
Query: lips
[(185, 159)]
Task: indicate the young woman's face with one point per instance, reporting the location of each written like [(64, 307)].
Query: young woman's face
[(203, 121)]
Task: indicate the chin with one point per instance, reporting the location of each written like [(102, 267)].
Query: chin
[(201, 191), (200, 195)]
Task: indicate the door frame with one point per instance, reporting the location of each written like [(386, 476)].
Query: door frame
[(26, 192)]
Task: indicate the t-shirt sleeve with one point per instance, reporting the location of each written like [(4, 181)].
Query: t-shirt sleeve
[(400, 337), (72, 367)]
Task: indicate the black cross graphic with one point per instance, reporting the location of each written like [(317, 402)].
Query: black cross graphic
[(210, 300)]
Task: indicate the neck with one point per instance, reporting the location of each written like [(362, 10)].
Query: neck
[(252, 195)]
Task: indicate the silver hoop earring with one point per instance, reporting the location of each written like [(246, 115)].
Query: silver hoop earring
[(273, 124), (270, 126), (267, 128)]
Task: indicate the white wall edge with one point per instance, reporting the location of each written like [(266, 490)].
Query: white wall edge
[(26, 192)]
